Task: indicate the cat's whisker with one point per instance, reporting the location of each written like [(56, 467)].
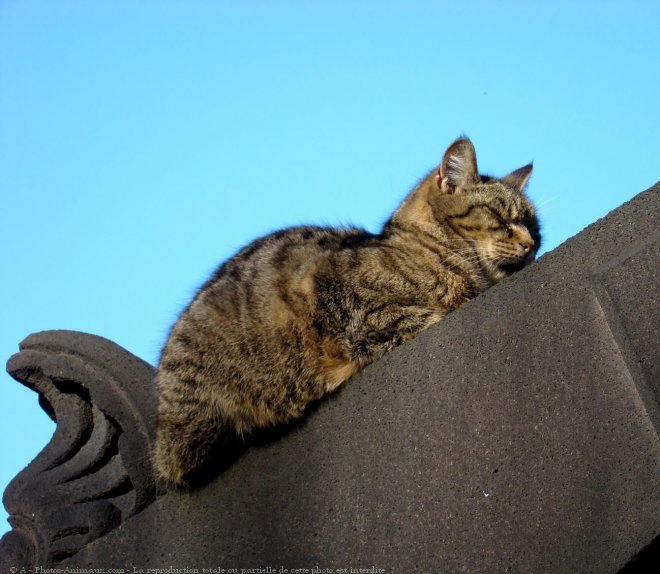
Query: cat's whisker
[(546, 206), (539, 205)]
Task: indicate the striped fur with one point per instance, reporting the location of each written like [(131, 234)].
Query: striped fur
[(295, 314)]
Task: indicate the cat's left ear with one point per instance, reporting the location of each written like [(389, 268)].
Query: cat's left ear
[(518, 179)]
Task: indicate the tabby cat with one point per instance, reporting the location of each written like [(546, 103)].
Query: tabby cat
[(295, 314)]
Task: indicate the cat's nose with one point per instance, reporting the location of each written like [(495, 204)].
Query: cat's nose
[(527, 245), (524, 238)]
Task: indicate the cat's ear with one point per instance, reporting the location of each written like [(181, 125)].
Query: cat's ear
[(518, 179), (459, 166)]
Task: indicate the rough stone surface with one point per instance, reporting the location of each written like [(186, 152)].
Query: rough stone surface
[(521, 434)]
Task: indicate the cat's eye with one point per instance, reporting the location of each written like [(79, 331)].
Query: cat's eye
[(500, 222)]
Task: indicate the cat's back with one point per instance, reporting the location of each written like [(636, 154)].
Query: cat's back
[(283, 259), (268, 286)]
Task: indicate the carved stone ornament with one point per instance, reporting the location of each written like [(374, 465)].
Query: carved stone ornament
[(96, 470)]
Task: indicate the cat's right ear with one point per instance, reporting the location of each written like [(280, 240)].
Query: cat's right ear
[(459, 167)]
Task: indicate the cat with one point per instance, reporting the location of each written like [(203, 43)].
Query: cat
[(298, 312)]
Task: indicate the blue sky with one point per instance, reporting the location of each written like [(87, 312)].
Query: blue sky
[(141, 143)]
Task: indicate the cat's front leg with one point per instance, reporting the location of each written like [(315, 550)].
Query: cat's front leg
[(337, 365)]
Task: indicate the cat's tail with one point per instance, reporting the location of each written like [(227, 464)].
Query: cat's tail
[(189, 433)]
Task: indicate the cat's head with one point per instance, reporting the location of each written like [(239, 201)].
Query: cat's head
[(493, 216)]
